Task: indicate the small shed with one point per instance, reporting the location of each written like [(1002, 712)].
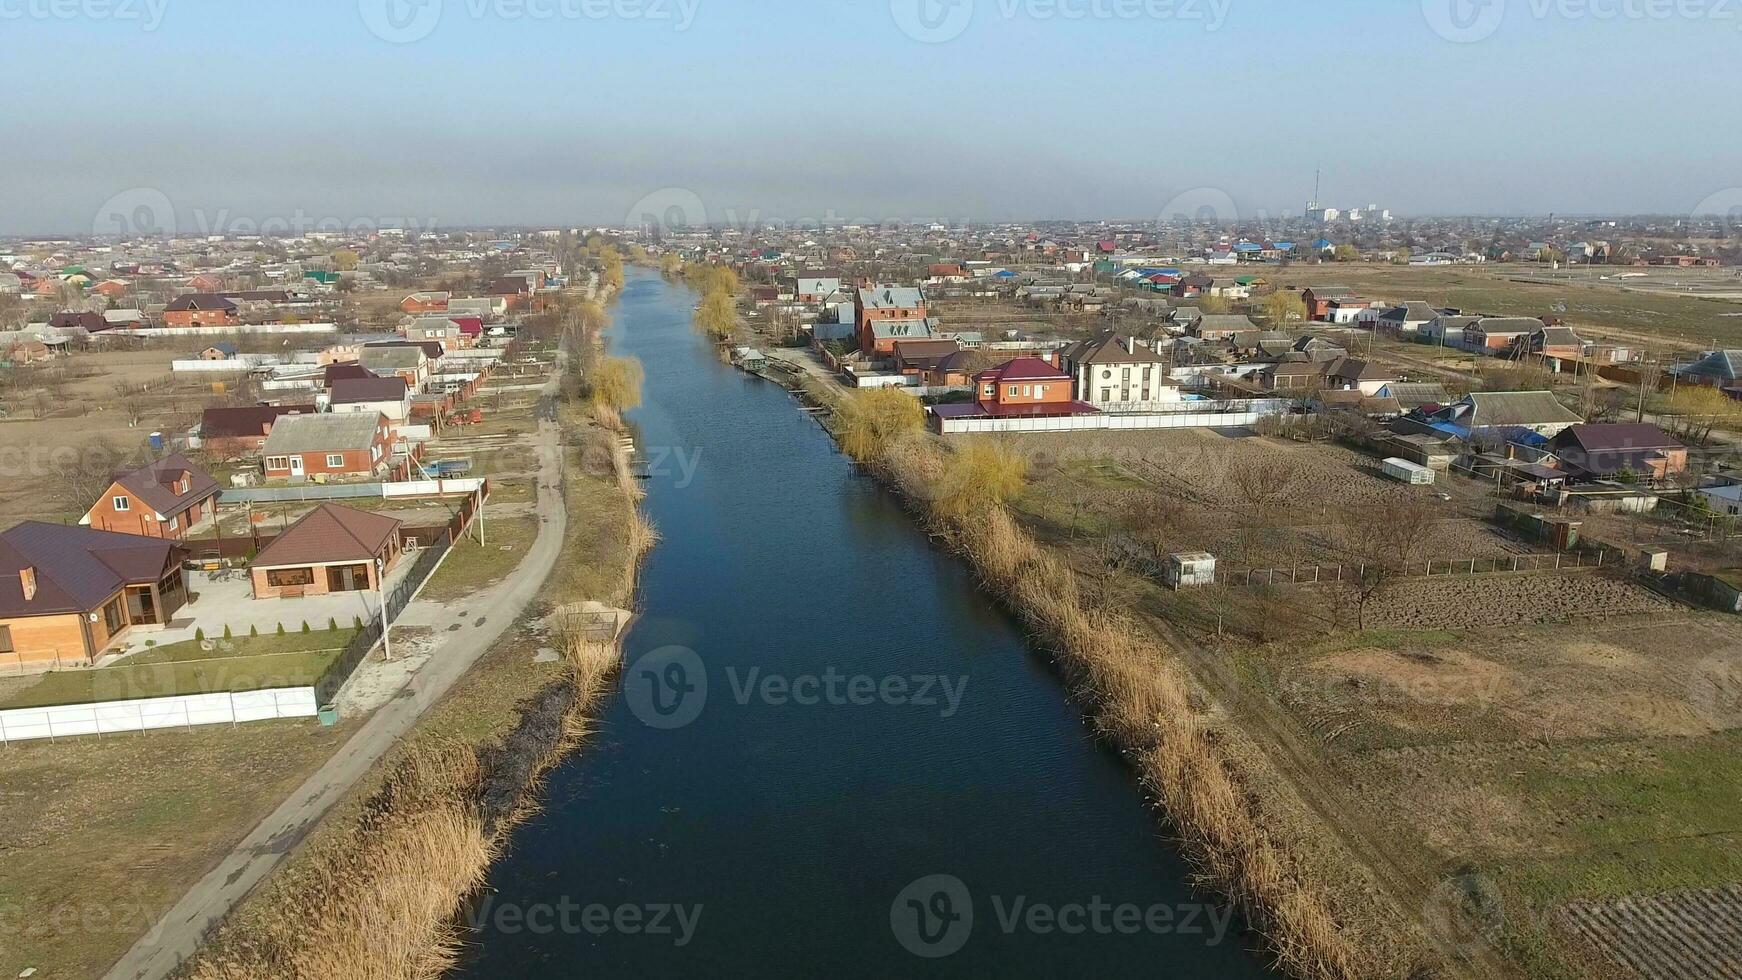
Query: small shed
[(1190, 570)]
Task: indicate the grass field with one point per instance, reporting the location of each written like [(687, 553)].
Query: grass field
[(1518, 744), (254, 663)]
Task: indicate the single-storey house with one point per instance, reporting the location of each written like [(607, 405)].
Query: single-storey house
[(68, 593), (386, 396), (408, 363), (1602, 451), (242, 431), (163, 499), (331, 549), (201, 310), (348, 445)]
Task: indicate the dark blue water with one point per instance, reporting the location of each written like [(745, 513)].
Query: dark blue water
[(791, 835)]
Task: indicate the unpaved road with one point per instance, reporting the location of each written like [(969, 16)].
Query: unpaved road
[(175, 937)]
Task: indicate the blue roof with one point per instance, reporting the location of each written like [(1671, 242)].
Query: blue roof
[(1249, 247), (1322, 243), (1004, 274), (1283, 246)]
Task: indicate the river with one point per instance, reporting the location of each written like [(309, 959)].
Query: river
[(831, 754)]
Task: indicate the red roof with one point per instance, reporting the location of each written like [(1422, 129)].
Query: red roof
[(1022, 369)]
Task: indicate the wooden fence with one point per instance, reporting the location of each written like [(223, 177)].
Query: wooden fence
[(1435, 568)]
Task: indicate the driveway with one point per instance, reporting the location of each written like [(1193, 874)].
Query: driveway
[(178, 933)]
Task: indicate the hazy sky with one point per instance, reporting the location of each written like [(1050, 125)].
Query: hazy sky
[(464, 112)]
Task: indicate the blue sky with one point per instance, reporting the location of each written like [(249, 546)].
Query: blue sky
[(558, 111)]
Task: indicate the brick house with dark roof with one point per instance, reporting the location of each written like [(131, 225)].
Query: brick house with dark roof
[(331, 549), (200, 310), (228, 433), (163, 499), (68, 593)]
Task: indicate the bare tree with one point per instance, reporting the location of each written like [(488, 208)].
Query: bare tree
[(1382, 540)]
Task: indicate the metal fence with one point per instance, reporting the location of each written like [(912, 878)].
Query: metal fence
[(1434, 568), (354, 653)]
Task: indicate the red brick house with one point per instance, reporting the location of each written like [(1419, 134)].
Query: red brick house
[(201, 310), (425, 302), (1025, 384), (1318, 300), (331, 549), (231, 432), (345, 446), (159, 500), (886, 314)]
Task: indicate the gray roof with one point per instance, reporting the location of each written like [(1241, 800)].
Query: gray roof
[(1492, 408), (903, 329), (891, 298), (1413, 394), (1722, 365), (391, 358), (322, 433)]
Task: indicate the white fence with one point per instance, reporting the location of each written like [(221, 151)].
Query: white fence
[(233, 365), (217, 331), (351, 491), (184, 711), (1069, 423)]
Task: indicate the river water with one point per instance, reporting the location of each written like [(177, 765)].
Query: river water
[(830, 753)]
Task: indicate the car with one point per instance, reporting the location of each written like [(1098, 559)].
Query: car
[(205, 561)]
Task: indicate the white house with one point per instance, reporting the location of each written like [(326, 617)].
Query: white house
[(1111, 371), (390, 397)]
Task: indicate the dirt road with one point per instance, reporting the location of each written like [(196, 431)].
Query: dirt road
[(178, 933)]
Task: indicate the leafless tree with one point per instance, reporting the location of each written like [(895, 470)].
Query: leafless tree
[(1381, 540)]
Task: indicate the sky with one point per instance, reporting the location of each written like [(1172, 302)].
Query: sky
[(221, 116)]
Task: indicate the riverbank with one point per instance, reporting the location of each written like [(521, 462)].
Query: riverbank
[(379, 887), (1252, 839)]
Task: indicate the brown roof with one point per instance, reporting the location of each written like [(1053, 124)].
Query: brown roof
[(349, 369), (77, 568), (155, 483), (246, 421), (353, 390), (200, 301), (329, 533)]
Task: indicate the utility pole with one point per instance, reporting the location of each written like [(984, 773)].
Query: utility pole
[(381, 595)]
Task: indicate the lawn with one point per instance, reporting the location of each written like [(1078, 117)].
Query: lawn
[(253, 664), (104, 834), (472, 566)]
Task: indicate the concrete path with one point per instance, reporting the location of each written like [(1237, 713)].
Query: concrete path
[(178, 933)]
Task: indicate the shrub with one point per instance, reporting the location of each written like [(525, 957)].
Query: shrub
[(200, 634), (332, 625), (227, 634), (356, 622), (280, 629), (305, 628), (253, 631)]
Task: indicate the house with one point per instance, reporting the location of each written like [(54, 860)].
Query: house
[(408, 363), (1552, 342), (68, 593), (1318, 299), (1346, 310), (483, 307), (385, 396), (453, 332), (957, 370), (163, 499), (1293, 376), (201, 310), (331, 549), (1726, 500), (916, 357), (814, 289), (217, 352), (1603, 451), (1112, 370), (1485, 412), (350, 445), (126, 319), (1354, 374), (1221, 326), (880, 310), (1406, 319), (1416, 394), (1719, 368), (86, 322), (514, 291), (1026, 386), (1351, 400), (343, 371), (1497, 334), (228, 433), (425, 302)]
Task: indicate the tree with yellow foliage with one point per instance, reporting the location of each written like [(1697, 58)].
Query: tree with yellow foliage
[(979, 477), (871, 421)]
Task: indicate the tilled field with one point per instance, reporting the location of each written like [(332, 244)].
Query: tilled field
[(1690, 935), (1510, 600)]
